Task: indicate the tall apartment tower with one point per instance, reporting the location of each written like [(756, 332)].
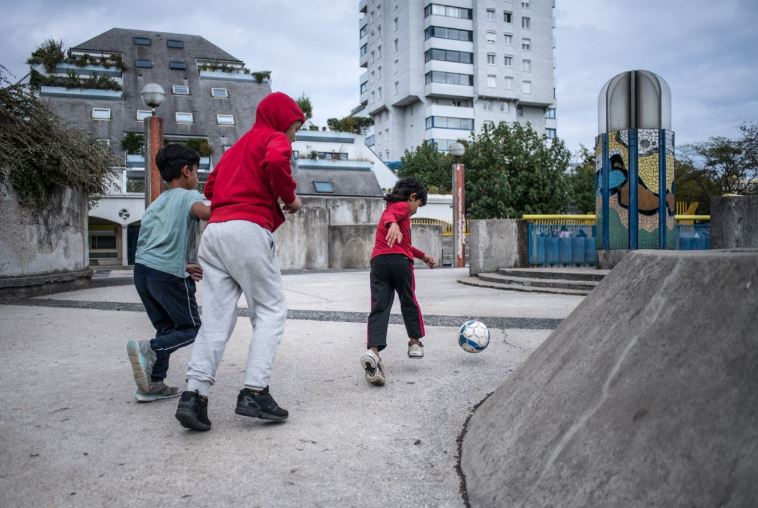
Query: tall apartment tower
[(440, 71)]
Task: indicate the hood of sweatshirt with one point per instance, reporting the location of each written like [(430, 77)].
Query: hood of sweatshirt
[(277, 111)]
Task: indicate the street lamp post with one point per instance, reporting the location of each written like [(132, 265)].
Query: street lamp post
[(459, 204), (152, 95)]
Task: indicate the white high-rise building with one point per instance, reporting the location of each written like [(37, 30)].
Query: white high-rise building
[(439, 70)]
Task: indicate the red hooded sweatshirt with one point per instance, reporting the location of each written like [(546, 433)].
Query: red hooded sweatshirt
[(255, 172)]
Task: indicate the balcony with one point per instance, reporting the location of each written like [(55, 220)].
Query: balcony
[(81, 93), (445, 90), (349, 165), (227, 76), (88, 70), (363, 6)]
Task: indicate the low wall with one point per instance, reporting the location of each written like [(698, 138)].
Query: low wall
[(350, 246), (734, 222), (428, 238), (43, 249), (496, 243), (302, 241)]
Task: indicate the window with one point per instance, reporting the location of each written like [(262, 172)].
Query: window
[(508, 83), (525, 4), (491, 80), (508, 16), (490, 58), (526, 23), (488, 123), (519, 111), (395, 67), (508, 60), (177, 65), (397, 87), (550, 113), (323, 186), (526, 65), (184, 117), (526, 86), (551, 133), (102, 241), (526, 44), (379, 93), (372, 77), (373, 94), (173, 43), (446, 10), (379, 72), (143, 113), (364, 87), (143, 64), (378, 52), (180, 90), (487, 105), (449, 122), (490, 14), (504, 106), (371, 58), (101, 113), (141, 41), (364, 48), (379, 31), (508, 38), (219, 93), (442, 32), (394, 25), (362, 33), (491, 37), (448, 55), (396, 45), (449, 78), (225, 119)]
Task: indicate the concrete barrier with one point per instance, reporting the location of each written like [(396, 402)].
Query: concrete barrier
[(734, 222), (428, 238), (350, 246), (496, 243), (646, 395)]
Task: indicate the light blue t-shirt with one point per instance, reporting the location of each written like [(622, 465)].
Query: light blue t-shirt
[(168, 231)]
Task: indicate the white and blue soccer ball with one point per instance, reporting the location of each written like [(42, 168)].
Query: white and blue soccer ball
[(473, 336)]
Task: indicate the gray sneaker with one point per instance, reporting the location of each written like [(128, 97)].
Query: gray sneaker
[(142, 357), (158, 390), (372, 365), (415, 350)]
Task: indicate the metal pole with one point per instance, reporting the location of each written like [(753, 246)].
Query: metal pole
[(459, 217), (153, 143)]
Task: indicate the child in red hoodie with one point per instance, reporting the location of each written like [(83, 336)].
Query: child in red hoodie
[(238, 256), (392, 271)]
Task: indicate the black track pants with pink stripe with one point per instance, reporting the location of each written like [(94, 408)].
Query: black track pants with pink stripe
[(392, 273)]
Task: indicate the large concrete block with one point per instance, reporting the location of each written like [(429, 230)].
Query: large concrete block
[(428, 238), (646, 395), (302, 241), (350, 246), (496, 243), (734, 222)]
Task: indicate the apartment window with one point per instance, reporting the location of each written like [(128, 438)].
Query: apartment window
[(488, 123), (449, 78), (379, 31), (508, 39), (525, 4), (371, 58), (508, 83), (141, 41), (395, 67), (526, 23), (225, 119), (180, 90), (143, 64), (550, 113), (491, 37), (442, 32), (143, 113), (526, 44), (487, 105), (378, 52), (449, 122), (396, 45), (362, 33), (394, 25), (491, 80), (177, 65), (184, 117), (490, 14), (503, 106), (325, 187), (551, 133), (508, 60), (379, 72), (446, 10), (373, 96), (173, 43), (526, 86), (379, 93), (364, 48), (526, 65), (448, 55), (490, 58), (397, 87), (519, 111), (221, 93), (101, 113), (364, 87), (508, 16), (372, 77)]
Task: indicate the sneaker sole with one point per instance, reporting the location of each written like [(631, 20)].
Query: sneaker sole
[(369, 363), (138, 369), (257, 413), (416, 356), (141, 397), (189, 421)]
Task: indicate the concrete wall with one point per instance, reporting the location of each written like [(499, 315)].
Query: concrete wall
[(496, 243), (734, 222), (428, 238), (47, 246), (350, 246)]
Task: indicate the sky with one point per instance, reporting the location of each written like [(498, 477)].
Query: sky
[(706, 50)]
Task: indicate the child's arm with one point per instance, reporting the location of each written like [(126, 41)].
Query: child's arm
[(208, 189), (201, 210), (276, 165), (426, 258)]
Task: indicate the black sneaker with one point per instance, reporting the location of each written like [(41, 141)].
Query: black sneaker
[(192, 412), (259, 405)]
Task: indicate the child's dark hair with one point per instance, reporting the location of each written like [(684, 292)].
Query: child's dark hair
[(403, 190), (172, 158)]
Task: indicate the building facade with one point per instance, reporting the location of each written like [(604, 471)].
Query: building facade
[(441, 70), (210, 102)]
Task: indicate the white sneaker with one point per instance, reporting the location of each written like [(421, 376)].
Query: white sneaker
[(415, 350), (372, 365)]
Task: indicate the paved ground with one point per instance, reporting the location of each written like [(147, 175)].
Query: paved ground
[(71, 433)]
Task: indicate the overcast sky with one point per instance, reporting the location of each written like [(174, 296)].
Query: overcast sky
[(705, 49)]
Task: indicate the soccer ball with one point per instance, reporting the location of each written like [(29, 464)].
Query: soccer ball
[(473, 336)]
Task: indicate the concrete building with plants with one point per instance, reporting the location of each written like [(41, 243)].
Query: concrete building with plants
[(210, 102)]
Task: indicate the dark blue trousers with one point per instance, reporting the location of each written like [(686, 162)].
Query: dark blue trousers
[(170, 304)]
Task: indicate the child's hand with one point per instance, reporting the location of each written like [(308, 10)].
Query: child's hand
[(294, 206), (394, 235), (429, 260), (195, 271)]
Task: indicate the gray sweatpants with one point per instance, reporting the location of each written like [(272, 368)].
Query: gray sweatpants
[(238, 257)]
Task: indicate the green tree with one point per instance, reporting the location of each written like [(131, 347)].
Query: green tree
[(430, 166), (305, 104), (581, 184), (512, 170), (354, 124)]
